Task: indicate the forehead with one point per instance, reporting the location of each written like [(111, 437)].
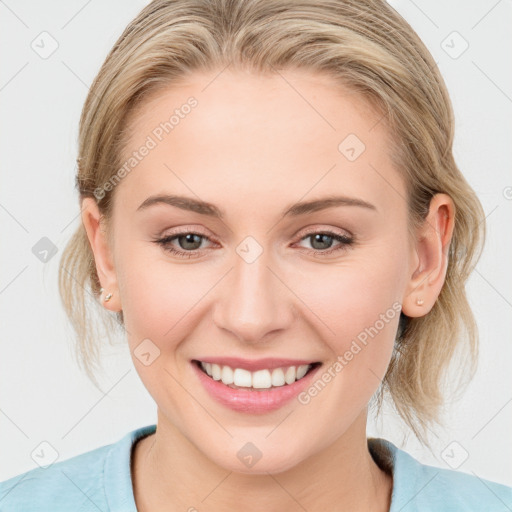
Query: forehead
[(252, 137)]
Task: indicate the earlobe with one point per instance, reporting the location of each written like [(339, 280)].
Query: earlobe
[(96, 234), (430, 262)]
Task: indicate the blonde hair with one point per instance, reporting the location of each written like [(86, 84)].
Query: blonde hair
[(365, 45)]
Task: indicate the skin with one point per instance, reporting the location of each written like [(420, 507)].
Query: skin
[(253, 146)]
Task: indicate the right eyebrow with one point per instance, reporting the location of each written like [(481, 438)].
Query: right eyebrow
[(183, 202)]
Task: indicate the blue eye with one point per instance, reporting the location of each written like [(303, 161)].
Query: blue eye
[(191, 241)]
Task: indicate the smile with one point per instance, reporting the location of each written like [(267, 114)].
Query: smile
[(260, 387), (267, 378)]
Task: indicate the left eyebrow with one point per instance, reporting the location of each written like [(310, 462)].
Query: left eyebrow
[(324, 203), (302, 208)]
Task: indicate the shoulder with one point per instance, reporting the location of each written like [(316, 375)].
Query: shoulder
[(74, 480), (90, 481), (418, 486)]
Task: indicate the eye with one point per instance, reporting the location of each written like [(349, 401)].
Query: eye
[(190, 241), (322, 240)]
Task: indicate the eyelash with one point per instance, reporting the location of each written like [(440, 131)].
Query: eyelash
[(346, 242)]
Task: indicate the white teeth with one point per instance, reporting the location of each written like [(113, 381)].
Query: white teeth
[(278, 377), (227, 375), (260, 379), (216, 371), (302, 370), (289, 376), (242, 378)]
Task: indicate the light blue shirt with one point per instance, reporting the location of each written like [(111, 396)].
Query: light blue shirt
[(100, 480)]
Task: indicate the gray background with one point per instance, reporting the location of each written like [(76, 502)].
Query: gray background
[(43, 396)]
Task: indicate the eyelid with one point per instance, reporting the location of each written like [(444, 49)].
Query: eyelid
[(186, 229), (318, 229)]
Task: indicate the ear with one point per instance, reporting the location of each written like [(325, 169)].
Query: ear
[(430, 261), (95, 228)]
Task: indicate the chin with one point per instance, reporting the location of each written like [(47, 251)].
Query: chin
[(249, 460)]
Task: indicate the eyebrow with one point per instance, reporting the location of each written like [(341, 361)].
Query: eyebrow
[(301, 208)]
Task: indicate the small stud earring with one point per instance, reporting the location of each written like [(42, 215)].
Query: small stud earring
[(108, 296), (419, 302)]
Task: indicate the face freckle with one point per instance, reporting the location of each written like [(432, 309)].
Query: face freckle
[(255, 288)]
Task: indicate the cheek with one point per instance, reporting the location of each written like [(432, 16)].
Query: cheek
[(357, 309), (158, 301), (163, 301), (351, 296)]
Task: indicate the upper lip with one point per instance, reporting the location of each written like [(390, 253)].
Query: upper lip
[(255, 364)]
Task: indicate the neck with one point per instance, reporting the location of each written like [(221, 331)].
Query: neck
[(170, 473)]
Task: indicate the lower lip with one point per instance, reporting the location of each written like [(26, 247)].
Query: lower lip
[(249, 401)]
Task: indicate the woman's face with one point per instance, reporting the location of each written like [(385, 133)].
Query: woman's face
[(265, 278)]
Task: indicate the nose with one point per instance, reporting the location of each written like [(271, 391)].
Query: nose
[(254, 301)]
